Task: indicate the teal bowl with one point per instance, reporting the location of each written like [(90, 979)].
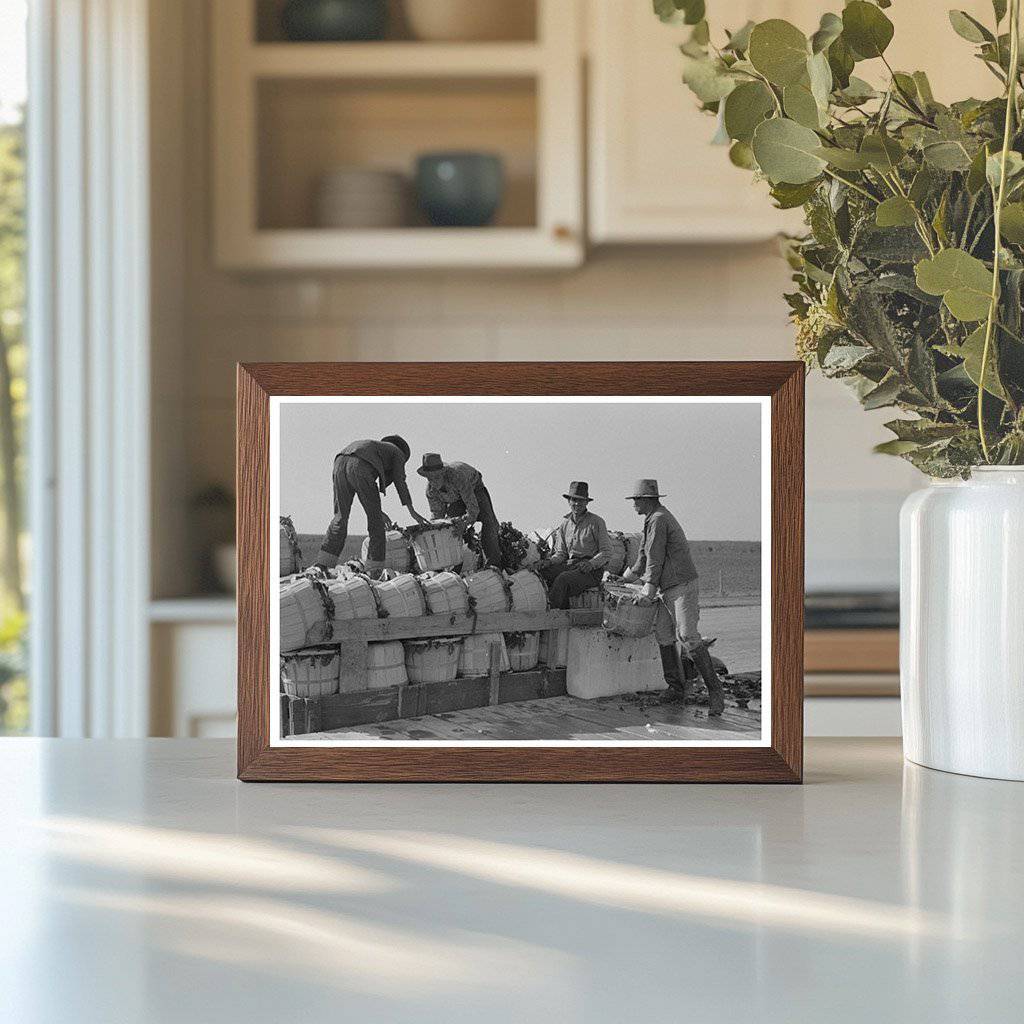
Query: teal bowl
[(334, 21), (461, 190)]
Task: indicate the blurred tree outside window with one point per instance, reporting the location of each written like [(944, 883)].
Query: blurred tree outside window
[(14, 538)]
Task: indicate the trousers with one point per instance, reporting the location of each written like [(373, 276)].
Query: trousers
[(354, 478), (565, 581), (679, 615)]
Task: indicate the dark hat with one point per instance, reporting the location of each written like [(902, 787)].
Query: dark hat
[(431, 463), (645, 489), (398, 442), (579, 489)]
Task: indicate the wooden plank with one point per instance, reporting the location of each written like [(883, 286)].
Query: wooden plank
[(344, 709), (852, 650), (519, 686), (462, 625), (494, 651), (354, 671), (470, 692)]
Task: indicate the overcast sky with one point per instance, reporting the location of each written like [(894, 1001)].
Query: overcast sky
[(706, 458)]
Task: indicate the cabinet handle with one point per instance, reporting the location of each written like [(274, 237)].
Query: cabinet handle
[(562, 232)]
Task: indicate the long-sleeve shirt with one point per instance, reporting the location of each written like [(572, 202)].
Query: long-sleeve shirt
[(585, 537), (665, 560), (458, 482), (388, 461)]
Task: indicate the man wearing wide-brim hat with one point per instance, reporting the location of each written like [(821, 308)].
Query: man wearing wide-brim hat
[(666, 570), (365, 470), (581, 546), (455, 490)]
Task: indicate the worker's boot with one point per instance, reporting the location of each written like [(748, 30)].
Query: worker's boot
[(670, 667), (374, 568), (716, 694)]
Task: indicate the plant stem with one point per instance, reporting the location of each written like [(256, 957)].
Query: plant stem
[(1011, 108)]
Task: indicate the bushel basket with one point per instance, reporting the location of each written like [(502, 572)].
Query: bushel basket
[(625, 616), (438, 547)]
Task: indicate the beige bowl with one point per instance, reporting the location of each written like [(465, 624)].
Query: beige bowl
[(471, 20)]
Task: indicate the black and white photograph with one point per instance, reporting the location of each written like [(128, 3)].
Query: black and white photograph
[(556, 571)]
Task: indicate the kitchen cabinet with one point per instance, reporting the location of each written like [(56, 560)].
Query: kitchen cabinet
[(654, 177), (286, 114)]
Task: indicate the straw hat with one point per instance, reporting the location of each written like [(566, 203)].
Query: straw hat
[(578, 490), (646, 489)]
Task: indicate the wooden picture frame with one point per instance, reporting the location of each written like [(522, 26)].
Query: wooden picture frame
[(780, 760)]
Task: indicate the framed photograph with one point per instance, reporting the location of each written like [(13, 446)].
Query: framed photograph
[(518, 572)]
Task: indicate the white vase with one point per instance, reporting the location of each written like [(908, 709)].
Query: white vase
[(962, 624)]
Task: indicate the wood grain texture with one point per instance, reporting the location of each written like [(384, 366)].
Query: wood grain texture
[(781, 762)]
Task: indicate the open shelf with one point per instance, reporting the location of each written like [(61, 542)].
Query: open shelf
[(285, 114)]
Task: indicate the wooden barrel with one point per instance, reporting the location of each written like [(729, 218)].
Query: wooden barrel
[(289, 553), (554, 648), (352, 597), (617, 562), (529, 593), (475, 659), (401, 598), (312, 672), (488, 591), (397, 551), (303, 614), (634, 545), (439, 547), (591, 598), (385, 664), (445, 592), (433, 661), (523, 650), (624, 616)]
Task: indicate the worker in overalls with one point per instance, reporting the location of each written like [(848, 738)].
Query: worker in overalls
[(667, 572), (455, 490), (581, 549), (366, 469)]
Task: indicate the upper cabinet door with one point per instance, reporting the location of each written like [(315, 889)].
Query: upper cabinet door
[(654, 176)]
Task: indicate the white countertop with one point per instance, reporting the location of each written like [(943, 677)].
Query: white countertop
[(140, 882)]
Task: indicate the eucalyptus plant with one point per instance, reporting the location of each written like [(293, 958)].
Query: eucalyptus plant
[(902, 290)]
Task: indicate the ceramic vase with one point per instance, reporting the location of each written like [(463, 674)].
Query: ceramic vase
[(962, 624)]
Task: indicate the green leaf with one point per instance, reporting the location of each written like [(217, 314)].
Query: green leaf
[(976, 174), (947, 156), (739, 41), (786, 151), (971, 352), (885, 394), (924, 88), (844, 159), (939, 220), (829, 30), (819, 74), (883, 152), (993, 165), (922, 185), (840, 61), (1011, 226), (801, 106), (788, 197), (895, 447), (999, 9), (741, 155), (969, 28), (895, 212), (689, 12), (779, 51), (923, 431), (745, 108), (857, 91), (866, 29), (707, 78), (963, 281)]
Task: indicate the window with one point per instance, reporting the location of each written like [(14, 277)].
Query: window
[(14, 692)]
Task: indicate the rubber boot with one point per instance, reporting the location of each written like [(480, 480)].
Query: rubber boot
[(670, 667), (716, 694)]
